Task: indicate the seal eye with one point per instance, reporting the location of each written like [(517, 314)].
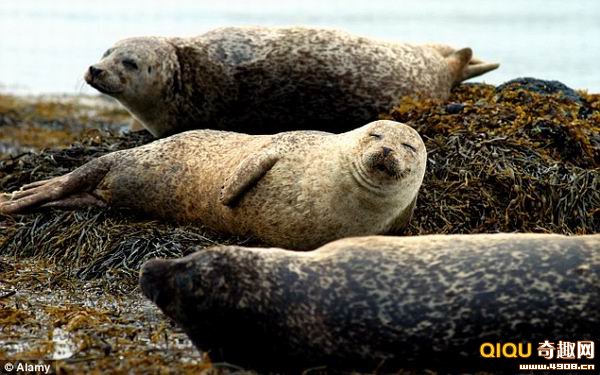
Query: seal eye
[(108, 52), (410, 147), (130, 64), (376, 135)]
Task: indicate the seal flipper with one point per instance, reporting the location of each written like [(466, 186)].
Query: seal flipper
[(246, 174), (75, 201), (68, 191), (457, 62), (477, 69), (464, 66)]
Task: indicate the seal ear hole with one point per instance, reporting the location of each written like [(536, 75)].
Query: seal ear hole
[(149, 69), (376, 135)]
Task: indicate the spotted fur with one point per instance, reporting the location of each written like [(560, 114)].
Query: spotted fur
[(382, 302), (318, 187), (262, 80)]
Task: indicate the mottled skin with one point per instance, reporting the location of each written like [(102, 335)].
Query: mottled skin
[(262, 80), (383, 302), (297, 189)]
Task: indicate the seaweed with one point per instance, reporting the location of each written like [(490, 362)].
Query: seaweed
[(49, 318), (31, 123), (507, 159)]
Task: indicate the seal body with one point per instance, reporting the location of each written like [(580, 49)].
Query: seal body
[(294, 189), (382, 302), (261, 80)]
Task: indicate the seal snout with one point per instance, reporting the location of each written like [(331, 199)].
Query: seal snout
[(154, 281), (103, 80), (386, 160), (95, 72)]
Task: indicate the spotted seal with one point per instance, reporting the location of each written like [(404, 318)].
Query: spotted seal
[(262, 80), (296, 189), (375, 303)]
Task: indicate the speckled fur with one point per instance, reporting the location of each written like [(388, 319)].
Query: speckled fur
[(262, 80), (322, 187), (359, 303)]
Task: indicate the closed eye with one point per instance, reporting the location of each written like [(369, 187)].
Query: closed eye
[(410, 147), (376, 135), (130, 64)]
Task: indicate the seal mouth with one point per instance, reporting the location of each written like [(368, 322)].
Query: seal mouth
[(105, 90), (101, 86), (391, 169), (387, 165)]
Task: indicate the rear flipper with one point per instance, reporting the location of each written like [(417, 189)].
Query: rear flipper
[(73, 190), (464, 64), (477, 69)]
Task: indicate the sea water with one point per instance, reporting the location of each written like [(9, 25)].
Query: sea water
[(46, 45)]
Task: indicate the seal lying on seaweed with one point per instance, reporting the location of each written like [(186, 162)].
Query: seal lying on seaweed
[(296, 189), (382, 303), (261, 80)]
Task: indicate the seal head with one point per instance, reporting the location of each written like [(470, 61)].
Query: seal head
[(392, 151), (137, 72), (388, 158), (198, 292)]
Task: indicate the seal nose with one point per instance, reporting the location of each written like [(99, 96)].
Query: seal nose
[(153, 276), (386, 151), (95, 72)]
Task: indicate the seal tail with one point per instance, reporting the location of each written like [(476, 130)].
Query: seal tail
[(464, 66)]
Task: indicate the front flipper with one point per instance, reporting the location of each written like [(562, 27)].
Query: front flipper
[(69, 191), (246, 174)]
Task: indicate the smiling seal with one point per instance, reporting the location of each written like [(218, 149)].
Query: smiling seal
[(379, 304), (297, 189), (260, 80)]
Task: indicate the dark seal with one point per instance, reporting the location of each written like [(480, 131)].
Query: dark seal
[(382, 303)]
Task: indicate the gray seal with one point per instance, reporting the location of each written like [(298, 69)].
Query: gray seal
[(297, 189), (261, 80), (375, 303)]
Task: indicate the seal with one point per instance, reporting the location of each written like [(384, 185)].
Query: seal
[(295, 189), (383, 303), (261, 80)]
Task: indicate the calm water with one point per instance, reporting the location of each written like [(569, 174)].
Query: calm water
[(46, 45)]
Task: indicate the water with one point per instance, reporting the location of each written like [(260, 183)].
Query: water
[(46, 45)]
